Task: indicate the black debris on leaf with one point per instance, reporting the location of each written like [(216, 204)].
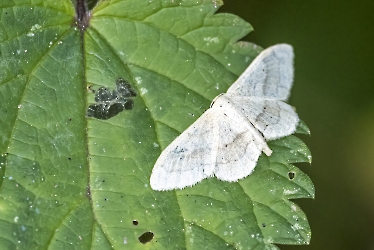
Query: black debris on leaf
[(124, 88), (104, 95), (111, 103)]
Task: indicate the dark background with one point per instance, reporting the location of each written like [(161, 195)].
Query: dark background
[(334, 94)]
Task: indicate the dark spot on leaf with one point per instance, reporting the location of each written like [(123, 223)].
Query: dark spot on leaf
[(88, 192), (263, 225), (103, 95), (111, 102), (103, 180), (146, 237), (135, 222), (129, 104), (124, 88), (115, 109), (291, 175)]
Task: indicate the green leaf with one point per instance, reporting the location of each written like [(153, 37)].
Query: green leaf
[(303, 128), (71, 180)]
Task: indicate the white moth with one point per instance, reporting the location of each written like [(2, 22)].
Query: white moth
[(228, 138)]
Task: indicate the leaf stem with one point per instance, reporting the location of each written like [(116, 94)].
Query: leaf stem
[(83, 14)]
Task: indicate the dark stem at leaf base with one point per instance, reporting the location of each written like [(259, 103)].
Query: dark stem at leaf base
[(83, 15)]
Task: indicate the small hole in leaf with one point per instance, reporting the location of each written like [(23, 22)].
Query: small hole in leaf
[(146, 237), (263, 225), (135, 222), (291, 175)]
